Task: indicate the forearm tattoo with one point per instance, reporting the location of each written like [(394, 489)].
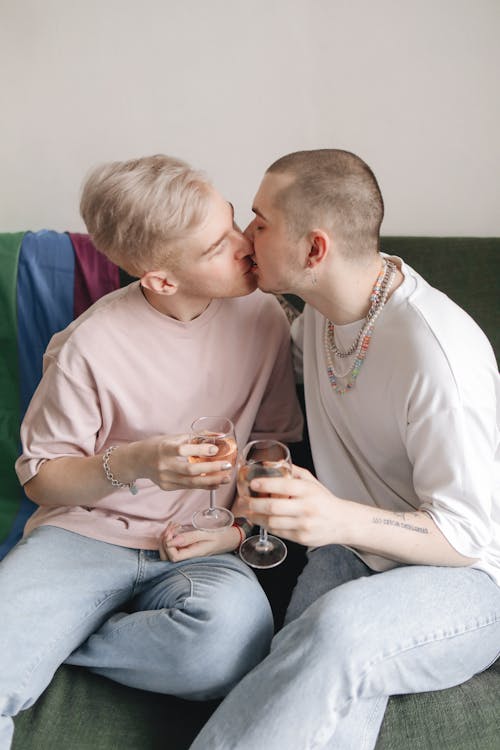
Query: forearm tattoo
[(401, 522)]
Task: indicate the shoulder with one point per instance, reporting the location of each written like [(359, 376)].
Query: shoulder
[(93, 327), (435, 348), (438, 321)]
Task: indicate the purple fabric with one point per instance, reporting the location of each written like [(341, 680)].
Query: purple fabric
[(95, 275)]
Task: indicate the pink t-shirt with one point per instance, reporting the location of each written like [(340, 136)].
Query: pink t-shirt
[(124, 371)]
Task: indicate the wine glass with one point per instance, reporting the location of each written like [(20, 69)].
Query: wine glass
[(218, 431), (262, 458)]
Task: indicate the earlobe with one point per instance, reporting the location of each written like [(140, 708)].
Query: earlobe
[(158, 282), (319, 246)]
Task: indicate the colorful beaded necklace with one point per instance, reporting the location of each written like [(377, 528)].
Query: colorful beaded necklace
[(359, 348)]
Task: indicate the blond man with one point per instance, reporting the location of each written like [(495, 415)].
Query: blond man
[(101, 578)]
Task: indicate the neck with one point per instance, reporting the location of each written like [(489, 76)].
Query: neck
[(176, 305), (342, 293)]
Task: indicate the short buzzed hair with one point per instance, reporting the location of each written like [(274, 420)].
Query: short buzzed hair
[(335, 188), (136, 210)]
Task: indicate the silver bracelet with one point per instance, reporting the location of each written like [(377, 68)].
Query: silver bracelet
[(134, 489)]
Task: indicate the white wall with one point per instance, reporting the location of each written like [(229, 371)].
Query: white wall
[(412, 86)]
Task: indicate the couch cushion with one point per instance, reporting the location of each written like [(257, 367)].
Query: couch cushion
[(466, 717)]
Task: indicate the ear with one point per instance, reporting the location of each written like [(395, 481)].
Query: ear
[(159, 283), (319, 244)]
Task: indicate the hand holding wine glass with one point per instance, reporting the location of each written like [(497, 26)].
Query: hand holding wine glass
[(218, 431), (262, 458)]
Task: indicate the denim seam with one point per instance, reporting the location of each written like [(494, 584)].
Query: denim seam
[(191, 587), (140, 573), (426, 642), (148, 614), (389, 656)]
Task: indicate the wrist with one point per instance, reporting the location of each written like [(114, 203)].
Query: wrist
[(349, 527), (244, 529), (116, 468)]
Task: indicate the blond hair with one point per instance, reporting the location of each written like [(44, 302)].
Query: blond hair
[(336, 188), (136, 211)]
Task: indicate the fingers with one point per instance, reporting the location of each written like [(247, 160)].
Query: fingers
[(192, 478), (200, 449), (265, 507), (183, 542), (178, 541), (205, 467), (299, 473), (279, 486)]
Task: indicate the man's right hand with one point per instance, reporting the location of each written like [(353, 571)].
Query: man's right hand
[(165, 461)]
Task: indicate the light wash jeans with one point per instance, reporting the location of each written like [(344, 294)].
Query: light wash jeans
[(369, 635), (192, 629)]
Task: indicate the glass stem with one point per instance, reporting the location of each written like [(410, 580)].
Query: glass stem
[(212, 501), (263, 536)]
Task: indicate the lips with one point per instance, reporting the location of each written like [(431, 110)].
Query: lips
[(251, 266)]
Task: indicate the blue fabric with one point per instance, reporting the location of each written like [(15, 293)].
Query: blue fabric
[(45, 282)]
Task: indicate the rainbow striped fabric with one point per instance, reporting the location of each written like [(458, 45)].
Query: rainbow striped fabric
[(46, 280)]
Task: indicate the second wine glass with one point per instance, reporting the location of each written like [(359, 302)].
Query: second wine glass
[(262, 458), (218, 431)]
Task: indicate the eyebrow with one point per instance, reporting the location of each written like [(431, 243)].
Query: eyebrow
[(217, 242), (258, 213)]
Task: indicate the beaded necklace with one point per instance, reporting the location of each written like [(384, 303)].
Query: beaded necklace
[(359, 348)]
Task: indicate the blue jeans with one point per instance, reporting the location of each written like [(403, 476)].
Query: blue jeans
[(192, 629), (369, 635)]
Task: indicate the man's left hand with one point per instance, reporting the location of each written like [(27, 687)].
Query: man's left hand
[(181, 543)]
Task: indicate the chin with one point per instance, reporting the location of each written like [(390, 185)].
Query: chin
[(243, 290), (267, 287)]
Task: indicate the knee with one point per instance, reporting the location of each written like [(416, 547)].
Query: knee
[(235, 638), (338, 623)]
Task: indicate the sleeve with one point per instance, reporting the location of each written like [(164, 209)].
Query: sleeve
[(62, 419), (280, 416), (453, 456)]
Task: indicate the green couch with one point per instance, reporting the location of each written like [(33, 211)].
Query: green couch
[(81, 711)]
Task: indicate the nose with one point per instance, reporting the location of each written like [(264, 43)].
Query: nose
[(244, 245), (249, 232)]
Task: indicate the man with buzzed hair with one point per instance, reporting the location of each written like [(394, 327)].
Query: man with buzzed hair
[(401, 590)]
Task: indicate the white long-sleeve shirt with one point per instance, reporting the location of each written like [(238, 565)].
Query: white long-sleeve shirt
[(420, 428)]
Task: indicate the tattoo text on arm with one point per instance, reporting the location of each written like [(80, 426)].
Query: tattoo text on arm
[(401, 523)]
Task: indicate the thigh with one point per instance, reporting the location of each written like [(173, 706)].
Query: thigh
[(56, 587), (219, 583), (194, 629), (326, 568), (410, 629)]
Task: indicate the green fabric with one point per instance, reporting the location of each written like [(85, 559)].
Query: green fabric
[(10, 496), (464, 268), (82, 711), (466, 717)]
